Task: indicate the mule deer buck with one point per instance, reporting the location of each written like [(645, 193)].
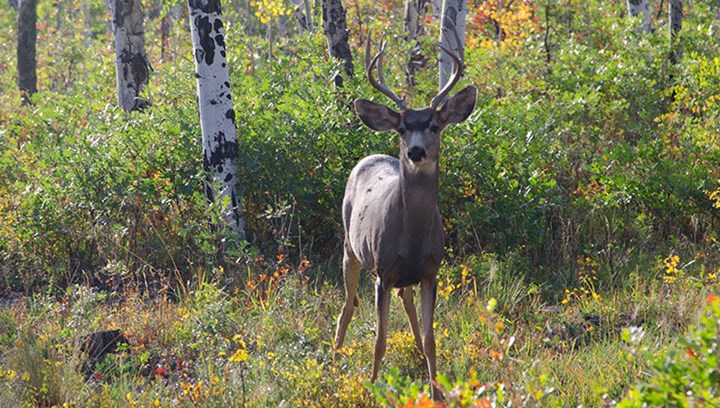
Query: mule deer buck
[(390, 214)]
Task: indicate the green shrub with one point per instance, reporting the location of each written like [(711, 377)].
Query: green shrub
[(687, 374)]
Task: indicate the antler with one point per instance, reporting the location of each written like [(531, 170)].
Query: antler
[(370, 64), (457, 71)]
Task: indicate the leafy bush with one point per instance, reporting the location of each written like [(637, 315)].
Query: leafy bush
[(689, 373), (584, 142)]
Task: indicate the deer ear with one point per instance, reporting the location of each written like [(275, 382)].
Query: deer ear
[(377, 117), (459, 106)]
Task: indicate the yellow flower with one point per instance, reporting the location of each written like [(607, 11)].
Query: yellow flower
[(239, 356), (491, 304), (499, 326)]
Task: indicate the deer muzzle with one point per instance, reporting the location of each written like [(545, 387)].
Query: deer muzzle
[(416, 154)]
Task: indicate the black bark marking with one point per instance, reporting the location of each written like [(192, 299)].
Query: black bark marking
[(220, 40), (199, 56), (207, 45), (224, 150), (230, 114), (206, 6), (335, 27), (135, 64)]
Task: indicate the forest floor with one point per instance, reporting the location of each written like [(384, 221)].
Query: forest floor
[(270, 344)]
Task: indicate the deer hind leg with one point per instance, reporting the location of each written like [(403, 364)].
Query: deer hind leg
[(351, 277), (428, 291), (382, 309), (406, 294)]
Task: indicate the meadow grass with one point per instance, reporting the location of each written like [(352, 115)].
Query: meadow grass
[(271, 345)]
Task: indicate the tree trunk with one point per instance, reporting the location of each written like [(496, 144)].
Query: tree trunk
[(638, 7), (454, 11), (131, 62), (165, 27), (336, 31), (676, 20), (414, 15), (26, 51), (303, 15), (308, 15), (217, 117), (87, 26)]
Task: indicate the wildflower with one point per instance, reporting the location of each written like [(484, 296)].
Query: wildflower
[(239, 356), (499, 326), (491, 304)]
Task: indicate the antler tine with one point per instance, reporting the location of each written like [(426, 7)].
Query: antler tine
[(453, 28), (457, 71), (367, 49), (383, 43), (377, 59)]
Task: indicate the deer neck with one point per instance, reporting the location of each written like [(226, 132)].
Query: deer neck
[(419, 195)]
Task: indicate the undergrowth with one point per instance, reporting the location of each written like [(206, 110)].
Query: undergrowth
[(220, 346)]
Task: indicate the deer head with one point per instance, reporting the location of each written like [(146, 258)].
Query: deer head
[(419, 129)]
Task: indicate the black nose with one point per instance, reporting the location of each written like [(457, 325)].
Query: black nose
[(416, 153)]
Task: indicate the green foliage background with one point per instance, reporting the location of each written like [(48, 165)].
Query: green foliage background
[(585, 144), (603, 149)]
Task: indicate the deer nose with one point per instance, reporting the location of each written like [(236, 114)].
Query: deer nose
[(416, 153)]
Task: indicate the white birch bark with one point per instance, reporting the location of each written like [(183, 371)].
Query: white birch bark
[(454, 11), (217, 116), (131, 64), (640, 8), (436, 8)]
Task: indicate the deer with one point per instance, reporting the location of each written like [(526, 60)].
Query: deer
[(391, 220)]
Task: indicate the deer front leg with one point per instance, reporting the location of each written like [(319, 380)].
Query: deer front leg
[(406, 294), (351, 277), (428, 290), (382, 309)]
